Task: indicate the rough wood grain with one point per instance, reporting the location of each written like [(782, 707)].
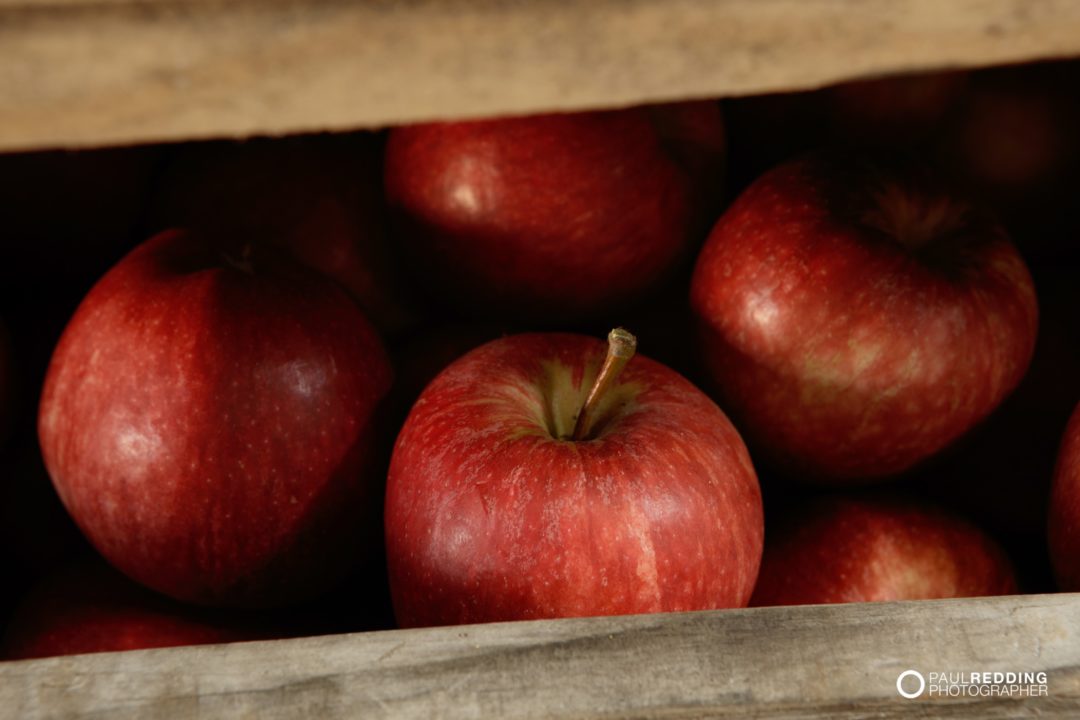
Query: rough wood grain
[(813, 662), (92, 72)]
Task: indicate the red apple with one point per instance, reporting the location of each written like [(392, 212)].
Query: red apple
[(562, 216), (319, 198), (208, 420), (512, 496), (840, 550), (1064, 521), (89, 608), (1000, 475), (857, 319)]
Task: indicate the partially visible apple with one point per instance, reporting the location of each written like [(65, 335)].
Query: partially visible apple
[(856, 318), (1000, 474), (1014, 144), (90, 608), (1064, 520), (838, 550), (532, 480), (208, 419), (1012, 135), (557, 217), (1011, 142), (317, 197), (894, 110)]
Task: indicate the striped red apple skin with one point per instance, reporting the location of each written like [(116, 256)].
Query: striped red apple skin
[(863, 549), (492, 515), (209, 421), (856, 318), (555, 217)]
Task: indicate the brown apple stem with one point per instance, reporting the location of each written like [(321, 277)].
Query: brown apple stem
[(621, 347)]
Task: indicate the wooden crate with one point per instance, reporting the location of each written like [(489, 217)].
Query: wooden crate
[(831, 662), (77, 73), (94, 72)]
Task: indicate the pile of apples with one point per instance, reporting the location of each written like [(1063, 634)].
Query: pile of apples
[(357, 367)]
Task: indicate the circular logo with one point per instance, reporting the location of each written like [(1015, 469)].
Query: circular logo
[(900, 684)]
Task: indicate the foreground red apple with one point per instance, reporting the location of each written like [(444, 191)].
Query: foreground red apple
[(529, 481), (1064, 521), (859, 550), (555, 215), (89, 608), (208, 421), (856, 319), (318, 198)]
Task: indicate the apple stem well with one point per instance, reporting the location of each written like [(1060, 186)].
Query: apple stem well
[(621, 347)]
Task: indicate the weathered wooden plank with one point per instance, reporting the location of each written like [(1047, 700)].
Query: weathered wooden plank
[(810, 662), (92, 72)]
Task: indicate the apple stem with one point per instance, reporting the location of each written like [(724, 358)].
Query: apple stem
[(621, 347)]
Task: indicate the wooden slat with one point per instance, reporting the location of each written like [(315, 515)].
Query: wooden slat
[(813, 662), (92, 72)]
